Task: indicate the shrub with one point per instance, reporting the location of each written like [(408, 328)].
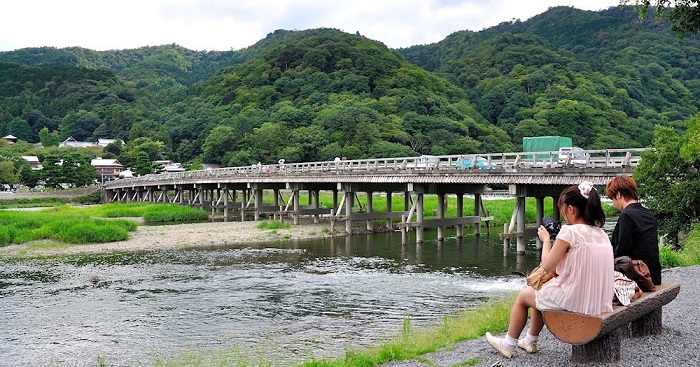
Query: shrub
[(174, 213), (272, 224)]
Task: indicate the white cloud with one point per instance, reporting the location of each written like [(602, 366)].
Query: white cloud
[(234, 24)]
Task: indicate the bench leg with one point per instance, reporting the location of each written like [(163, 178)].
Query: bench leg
[(602, 349), (649, 324)]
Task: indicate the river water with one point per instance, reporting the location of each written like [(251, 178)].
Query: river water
[(284, 302)]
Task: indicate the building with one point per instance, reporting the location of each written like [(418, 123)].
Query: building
[(105, 142), (107, 169), (169, 166), (10, 139), (71, 142), (33, 161)]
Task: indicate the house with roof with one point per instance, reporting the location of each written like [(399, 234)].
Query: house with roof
[(71, 142), (33, 161), (168, 166), (107, 169), (10, 138), (105, 142)]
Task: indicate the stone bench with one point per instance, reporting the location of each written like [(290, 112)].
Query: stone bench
[(597, 338)]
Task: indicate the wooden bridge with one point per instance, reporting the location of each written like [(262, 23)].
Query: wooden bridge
[(239, 191)]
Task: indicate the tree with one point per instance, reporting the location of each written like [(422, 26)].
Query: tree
[(48, 139), (21, 129), (8, 174), (52, 172), (684, 15), (668, 178), (143, 164), (218, 143), (77, 170), (154, 150)]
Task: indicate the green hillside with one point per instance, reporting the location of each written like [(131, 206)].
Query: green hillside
[(602, 78)]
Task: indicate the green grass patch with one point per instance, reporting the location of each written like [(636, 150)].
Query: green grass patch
[(273, 224), (60, 224), (32, 202), (168, 213), (687, 255)]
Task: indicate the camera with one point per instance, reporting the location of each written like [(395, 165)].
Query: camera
[(551, 226)]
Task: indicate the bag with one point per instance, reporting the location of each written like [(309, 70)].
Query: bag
[(626, 289), (636, 270), (539, 276)]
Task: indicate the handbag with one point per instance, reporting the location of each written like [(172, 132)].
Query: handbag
[(636, 270), (539, 276), (626, 290)]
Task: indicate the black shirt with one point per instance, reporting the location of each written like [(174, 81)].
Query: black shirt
[(636, 236)]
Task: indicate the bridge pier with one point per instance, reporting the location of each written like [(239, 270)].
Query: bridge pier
[(441, 214), (460, 213), (349, 205), (370, 222)]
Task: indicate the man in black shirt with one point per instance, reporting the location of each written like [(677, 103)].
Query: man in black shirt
[(635, 233)]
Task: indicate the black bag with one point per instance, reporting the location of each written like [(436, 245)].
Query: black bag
[(636, 270)]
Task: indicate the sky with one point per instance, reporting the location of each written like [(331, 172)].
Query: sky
[(221, 25)]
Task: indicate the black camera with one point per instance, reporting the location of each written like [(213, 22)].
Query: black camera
[(551, 226)]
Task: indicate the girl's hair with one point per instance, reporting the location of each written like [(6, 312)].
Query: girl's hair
[(589, 209), (624, 185)]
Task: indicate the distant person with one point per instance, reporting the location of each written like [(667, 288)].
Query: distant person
[(635, 234), (337, 162), (281, 163), (581, 256)]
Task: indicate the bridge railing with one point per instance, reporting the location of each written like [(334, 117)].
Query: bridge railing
[(460, 164)]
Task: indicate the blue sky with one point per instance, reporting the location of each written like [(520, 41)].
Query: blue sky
[(235, 24)]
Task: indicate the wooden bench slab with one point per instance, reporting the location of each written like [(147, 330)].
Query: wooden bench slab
[(596, 338)]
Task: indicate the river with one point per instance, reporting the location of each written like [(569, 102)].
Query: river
[(284, 302)]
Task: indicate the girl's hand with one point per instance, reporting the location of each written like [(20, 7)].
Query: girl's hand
[(543, 234)]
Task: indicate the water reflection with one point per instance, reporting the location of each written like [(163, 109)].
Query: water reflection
[(292, 301)]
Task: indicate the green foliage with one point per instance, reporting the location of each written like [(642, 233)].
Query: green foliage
[(272, 224), (61, 225), (174, 213), (670, 184), (572, 73), (603, 78), (682, 14)]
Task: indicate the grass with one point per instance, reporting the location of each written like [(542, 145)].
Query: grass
[(688, 255), (66, 224), (60, 224), (273, 224)]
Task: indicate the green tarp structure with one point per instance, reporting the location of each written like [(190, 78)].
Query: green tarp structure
[(545, 144)]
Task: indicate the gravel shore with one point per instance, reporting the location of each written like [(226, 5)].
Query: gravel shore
[(677, 346), (192, 235)]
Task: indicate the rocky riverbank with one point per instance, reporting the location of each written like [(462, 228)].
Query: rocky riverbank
[(150, 237)]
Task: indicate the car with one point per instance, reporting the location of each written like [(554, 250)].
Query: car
[(572, 156), (470, 161), (425, 162)]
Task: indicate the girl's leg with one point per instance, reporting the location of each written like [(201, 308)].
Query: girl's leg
[(518, 315)]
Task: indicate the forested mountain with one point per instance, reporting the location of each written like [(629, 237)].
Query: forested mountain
[(603, 78)]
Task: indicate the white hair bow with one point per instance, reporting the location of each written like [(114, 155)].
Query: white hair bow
[(585, 188)]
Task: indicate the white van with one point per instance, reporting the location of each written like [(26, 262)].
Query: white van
[(425, 162), (572, 156)]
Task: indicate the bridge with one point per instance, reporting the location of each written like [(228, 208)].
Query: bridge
[(240, 191)]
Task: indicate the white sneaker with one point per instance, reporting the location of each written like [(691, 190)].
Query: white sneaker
[(530, 348), (500, 345)]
